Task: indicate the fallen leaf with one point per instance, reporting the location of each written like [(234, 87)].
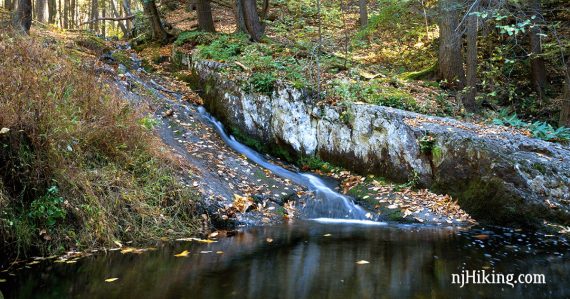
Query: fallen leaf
[(182, 254), (481, 237), (111, 279), (327, 235), (127, 250), (363, 262), (269, 240)]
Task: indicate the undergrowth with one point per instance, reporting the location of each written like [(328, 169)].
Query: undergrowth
[(79, 167), (538, 129)]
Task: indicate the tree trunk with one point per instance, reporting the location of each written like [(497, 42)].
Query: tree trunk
[(240, 17), (537, 66), (66, 14), (254, 27), (23, 17), (565, 109), (41, 10), (59, 13), (450, 61), (72, 5), (104, 15), (265, 9), (52, 11), (8, 5), (118, 15), (94, 15), (205, 21), (158, 32), (363, 7), (471, 74), (127, 9)]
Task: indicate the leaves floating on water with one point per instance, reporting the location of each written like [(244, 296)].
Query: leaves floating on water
[(363, 262), (183, 254), (481, 237), (196, 240), (111, 279)]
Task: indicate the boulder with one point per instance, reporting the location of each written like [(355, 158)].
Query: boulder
[(497, 174)]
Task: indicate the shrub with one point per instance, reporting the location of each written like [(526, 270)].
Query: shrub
[(225, 48), (194, 38), (67, 132), (538, 129), (262, 82)]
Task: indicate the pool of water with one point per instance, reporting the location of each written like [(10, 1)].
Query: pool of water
[(309, 260)]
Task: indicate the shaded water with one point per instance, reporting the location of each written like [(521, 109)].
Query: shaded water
[(309, 260)]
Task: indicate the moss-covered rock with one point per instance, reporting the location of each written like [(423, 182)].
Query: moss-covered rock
[(499, 176), (93, 43)]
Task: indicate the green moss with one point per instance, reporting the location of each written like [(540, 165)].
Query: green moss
[(488, 201), (92, 43), (194, 37), (393, 97), (123, 58), (261, 82), (427, 144), (418, 75), (436, 153), (541, 168), (361, 193), (394, 215)]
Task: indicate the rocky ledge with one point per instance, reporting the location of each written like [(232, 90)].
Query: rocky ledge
[(498, 175)]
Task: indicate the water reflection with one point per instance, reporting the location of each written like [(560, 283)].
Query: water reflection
[(311, 260)]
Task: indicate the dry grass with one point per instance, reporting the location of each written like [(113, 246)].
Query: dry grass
[(68, 130)]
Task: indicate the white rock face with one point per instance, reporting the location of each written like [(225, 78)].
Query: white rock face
[(506, 166)]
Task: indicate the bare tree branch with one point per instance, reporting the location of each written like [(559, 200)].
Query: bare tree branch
[(108, 19)]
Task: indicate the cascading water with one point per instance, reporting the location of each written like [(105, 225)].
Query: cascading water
[(328, 204)]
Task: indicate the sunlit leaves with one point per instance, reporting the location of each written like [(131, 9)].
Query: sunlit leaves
[(182, 254)]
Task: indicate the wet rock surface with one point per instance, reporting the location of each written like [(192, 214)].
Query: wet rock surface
[(235, 190), (498, 175)]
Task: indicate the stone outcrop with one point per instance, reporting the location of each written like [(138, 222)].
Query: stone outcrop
[(496, 174)]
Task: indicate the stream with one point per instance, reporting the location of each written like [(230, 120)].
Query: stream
[(336, 250)]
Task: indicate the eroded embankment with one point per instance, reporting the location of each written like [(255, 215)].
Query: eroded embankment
[(498, 175)]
